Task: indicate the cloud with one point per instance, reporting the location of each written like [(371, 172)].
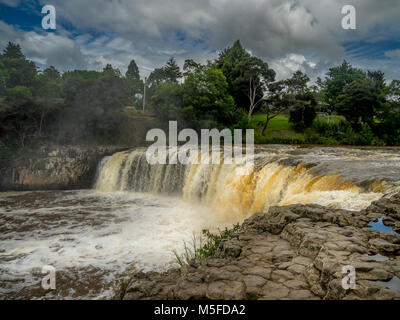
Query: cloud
[(393, 54), (10, 3), (45, 49), (286, 66), (289, 34), (270, 28)]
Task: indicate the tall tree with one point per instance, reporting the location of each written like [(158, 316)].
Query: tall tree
[(360, 101), (276, 103), (172, 71), (338, 78), (206, 100), (13, 51), (48, 91), (378, 77), (169, 72), (133, 71), (302, 101), (135, 84), (247, 76)]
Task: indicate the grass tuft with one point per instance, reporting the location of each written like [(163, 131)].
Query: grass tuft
[(205, 246)]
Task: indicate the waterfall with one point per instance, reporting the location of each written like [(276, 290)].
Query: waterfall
[(275, 179)]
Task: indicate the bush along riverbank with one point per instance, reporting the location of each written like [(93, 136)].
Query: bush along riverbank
[(293, 252)]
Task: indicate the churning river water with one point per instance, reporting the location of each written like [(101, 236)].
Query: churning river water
[(137, 214)]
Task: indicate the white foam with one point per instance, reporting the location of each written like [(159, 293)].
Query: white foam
[(135, 228)]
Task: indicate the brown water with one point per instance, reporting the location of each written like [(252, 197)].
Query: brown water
[(138, 214)]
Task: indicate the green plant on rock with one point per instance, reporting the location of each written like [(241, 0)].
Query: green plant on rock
[(205, 246)]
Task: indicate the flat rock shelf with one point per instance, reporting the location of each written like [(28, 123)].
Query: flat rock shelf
[(293, 252)]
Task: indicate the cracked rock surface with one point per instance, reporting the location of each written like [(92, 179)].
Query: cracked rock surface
[(294, 252)]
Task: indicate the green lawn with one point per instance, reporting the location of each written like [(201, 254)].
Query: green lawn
[(280, 122), (278, 131)]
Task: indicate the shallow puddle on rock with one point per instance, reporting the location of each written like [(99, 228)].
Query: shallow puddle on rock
[(379, 226), (377, 257), (393, 284)]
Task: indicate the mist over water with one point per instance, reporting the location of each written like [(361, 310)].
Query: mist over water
[(138, 213)]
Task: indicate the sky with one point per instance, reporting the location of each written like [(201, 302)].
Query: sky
[(290, 35)]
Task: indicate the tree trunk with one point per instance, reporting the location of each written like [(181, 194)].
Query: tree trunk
[(249, 116), (265, 125), (41, 123)]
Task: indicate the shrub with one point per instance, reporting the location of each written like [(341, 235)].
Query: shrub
[(206, 246)]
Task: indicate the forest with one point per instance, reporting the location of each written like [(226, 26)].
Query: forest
[(236, 90)]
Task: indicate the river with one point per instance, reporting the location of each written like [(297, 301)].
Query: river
[(137, 214)]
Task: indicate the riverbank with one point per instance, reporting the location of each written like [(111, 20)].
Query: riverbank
[(330, 130), (292, 252), (54, 167)]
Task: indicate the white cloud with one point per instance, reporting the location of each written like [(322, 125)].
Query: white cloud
[(393, 54), (283, 32), (286, 66), (46, 49)]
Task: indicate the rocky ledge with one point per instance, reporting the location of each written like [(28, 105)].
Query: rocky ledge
[(294, 252), (55, 168)]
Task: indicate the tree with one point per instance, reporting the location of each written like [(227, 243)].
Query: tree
[(172, 71), (132, 76), (301, 100), (95, 105), (82, 74), (13, 51), (190, 66), (18, 95), (359, 102), (202, 101), (109, 70), (167, 101), (18, 114), (133, 72), (52, 74), (48, 91), (303, 114), (393, 93), (207, 102), (20, 72), (297, 84), (246, 75), (3, 78), (276, 103), (338, 78), (168, 73), (259, 76), (378, 78)]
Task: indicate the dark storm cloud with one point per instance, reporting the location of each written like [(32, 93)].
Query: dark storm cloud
[(290, 35)]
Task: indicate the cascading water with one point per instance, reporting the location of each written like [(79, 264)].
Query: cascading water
[(138, 213), (279, 177)]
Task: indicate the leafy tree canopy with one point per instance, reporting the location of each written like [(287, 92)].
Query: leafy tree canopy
[(338, 78), (239, 67), (360, 100)]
